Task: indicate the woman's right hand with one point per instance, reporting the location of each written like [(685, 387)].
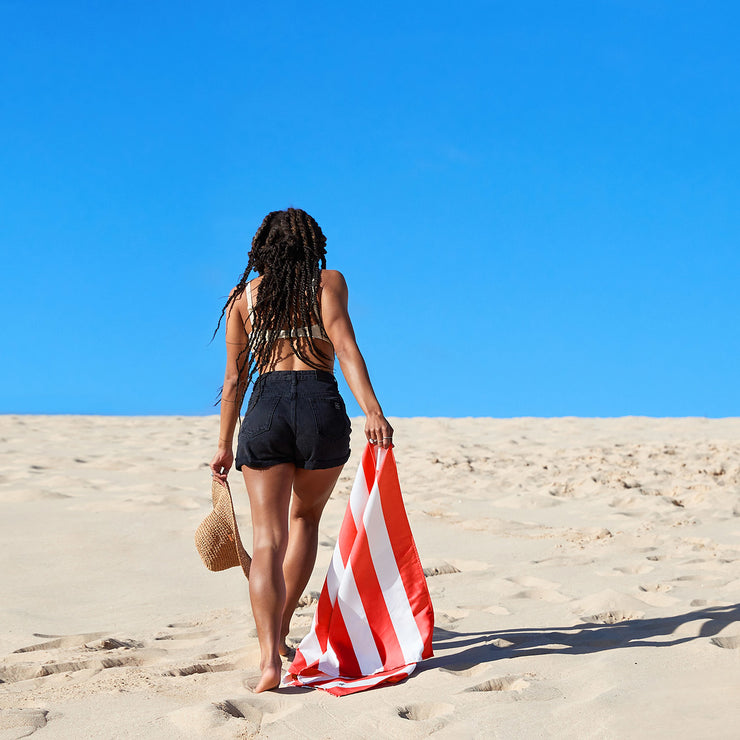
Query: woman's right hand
[(221, 463), (378, 431)]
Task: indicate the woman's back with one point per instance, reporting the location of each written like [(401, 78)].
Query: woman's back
[(283, 357)]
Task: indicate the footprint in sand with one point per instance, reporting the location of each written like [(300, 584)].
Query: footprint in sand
[(612, 617), (464, 669), (67, 654), (440, 569), (25, 671), (424, 711), (537, 589), (60, 641), (730, 642), (518, 687), (205, 720), (72, 666), (240, 709), (185, 636), (502, 683), (656, 587), (194, 668), (450, 616), (256, 708), (113, 643), (16, 723), (497, 610)]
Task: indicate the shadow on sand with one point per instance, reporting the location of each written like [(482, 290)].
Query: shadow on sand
[(484, 647)]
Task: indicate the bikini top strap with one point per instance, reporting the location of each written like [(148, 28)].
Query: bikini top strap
[(250, 306)]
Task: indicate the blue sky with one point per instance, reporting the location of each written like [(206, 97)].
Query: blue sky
[(534, 204)]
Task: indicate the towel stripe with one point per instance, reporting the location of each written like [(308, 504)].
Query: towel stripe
[(374, 618), (406, 557)]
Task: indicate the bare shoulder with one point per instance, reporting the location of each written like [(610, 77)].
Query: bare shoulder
[(334, 281), (237, 301), (236, 296)]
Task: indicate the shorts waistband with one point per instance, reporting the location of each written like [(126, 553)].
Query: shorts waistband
[(290, 376)]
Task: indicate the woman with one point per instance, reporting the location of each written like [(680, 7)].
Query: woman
[(286, 326)]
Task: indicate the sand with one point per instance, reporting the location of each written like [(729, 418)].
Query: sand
[(585, 575)]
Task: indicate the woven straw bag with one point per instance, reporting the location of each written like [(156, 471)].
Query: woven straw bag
[(217, 538)]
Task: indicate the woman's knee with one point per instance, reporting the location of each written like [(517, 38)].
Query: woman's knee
[(307, 518), (270, 541), (307, 511)]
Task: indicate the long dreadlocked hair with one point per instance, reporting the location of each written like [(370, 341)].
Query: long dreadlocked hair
[(288, 251)]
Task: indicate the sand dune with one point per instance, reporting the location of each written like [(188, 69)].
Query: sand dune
[(585, 575)]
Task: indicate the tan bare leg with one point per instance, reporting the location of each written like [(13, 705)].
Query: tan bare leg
[(269, 499), (311, 491)]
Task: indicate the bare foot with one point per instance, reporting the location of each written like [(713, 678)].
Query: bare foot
[(268, 680)]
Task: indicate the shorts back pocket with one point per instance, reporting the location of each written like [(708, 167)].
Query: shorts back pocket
[(258, 418), (331, 417)]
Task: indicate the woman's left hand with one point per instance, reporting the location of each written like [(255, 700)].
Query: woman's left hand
[(378, 431), (221, 464)]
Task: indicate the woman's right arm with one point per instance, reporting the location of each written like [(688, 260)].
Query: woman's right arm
[(335, 315), (231, 393)]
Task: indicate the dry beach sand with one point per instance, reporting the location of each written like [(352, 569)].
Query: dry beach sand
[(585, 575)]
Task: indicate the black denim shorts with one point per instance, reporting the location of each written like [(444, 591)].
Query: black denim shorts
[(294, 416)]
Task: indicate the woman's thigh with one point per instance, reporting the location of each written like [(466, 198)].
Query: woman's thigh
[(311, 491), (269, 492)]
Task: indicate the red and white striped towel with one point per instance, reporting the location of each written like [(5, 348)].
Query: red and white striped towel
[(374, 619)]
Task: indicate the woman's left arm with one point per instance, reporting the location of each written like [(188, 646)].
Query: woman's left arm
[(232, 393)]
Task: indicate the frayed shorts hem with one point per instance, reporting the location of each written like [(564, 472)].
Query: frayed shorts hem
[(307, 465)]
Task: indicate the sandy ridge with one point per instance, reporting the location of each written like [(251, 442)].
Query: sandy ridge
[(585, 575)]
